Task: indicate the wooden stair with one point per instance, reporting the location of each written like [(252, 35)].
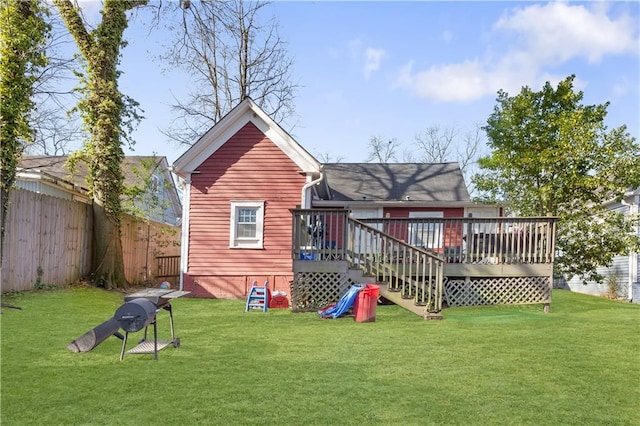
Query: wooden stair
[(359, 276), (408, 304)]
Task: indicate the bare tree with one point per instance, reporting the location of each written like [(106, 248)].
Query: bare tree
[(325, 157), (57, 131), (229, 55), (435, 144), (468, 152), (408, 156), (444, 144), (382, 150)]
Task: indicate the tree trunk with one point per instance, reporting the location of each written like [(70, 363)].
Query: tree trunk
[(108, 261)]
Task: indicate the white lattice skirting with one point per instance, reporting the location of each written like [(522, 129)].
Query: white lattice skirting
[(311, 291), (497, 291)]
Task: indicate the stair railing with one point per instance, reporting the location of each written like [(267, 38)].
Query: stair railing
[(412, 271), (331, 235)]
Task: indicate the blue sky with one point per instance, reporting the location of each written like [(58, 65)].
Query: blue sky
[(392, 69)]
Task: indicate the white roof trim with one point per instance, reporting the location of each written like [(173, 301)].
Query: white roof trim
[(245, 112), (396, 203)]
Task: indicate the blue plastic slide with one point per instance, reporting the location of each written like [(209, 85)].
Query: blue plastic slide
[(345, 302)]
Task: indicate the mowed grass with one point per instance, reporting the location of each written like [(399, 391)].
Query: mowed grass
[(508, 365)]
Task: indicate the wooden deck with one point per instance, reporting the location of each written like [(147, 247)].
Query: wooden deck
[(428, 261)]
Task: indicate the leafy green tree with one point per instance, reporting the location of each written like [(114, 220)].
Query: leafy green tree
[(108, 116), (552, 155), (23, 34)]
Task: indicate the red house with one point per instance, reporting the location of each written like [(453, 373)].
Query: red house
[(242, 177), (246, 174)]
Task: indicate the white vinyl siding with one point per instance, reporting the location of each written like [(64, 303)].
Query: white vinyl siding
[(425, 235)]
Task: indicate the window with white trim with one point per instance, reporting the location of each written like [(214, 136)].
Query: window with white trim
[(247, 224), (425, 235)]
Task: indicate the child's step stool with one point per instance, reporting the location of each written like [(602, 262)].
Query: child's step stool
[(258, 297)]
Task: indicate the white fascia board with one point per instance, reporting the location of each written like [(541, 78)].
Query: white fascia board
[(384, 203), (288, 145), (173, 191), (203, 148), (247, 111), (51, 181)]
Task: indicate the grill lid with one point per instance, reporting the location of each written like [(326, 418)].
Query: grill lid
[(135, 314)]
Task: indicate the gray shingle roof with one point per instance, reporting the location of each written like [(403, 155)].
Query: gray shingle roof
[(56, 166), (425, 182)]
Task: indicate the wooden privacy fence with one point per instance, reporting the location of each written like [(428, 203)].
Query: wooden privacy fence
[(142, 243), (48, 241)]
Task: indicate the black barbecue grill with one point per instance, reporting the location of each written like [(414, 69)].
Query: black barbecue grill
[(139, 311), (136, 314)]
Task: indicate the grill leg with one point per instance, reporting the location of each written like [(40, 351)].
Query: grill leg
[(124, 345), (155, 340), (168, 308)]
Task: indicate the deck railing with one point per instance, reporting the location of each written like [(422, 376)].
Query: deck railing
[(487, 260), (476, 240)]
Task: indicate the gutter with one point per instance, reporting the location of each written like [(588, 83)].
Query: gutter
[(303, 195)]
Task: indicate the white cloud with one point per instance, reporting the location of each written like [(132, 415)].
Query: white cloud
[(539, 38), (372, 59), (623, 87), (557, 32)]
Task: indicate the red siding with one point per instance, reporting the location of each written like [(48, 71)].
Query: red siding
[(248, 167), (452, 236)]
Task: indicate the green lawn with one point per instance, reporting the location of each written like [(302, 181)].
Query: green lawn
[(578, 364)]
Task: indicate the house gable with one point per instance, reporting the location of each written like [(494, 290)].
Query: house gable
[(249, 170), (245, 112)]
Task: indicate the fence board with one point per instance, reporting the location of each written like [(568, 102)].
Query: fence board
[(142, 242), (49, 240), (38, 228)]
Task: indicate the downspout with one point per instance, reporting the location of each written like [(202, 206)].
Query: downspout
[(303, 195), (184, 238)]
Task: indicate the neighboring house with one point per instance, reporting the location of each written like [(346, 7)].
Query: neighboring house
[(158, 201), (245, 175), (626, 269)]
